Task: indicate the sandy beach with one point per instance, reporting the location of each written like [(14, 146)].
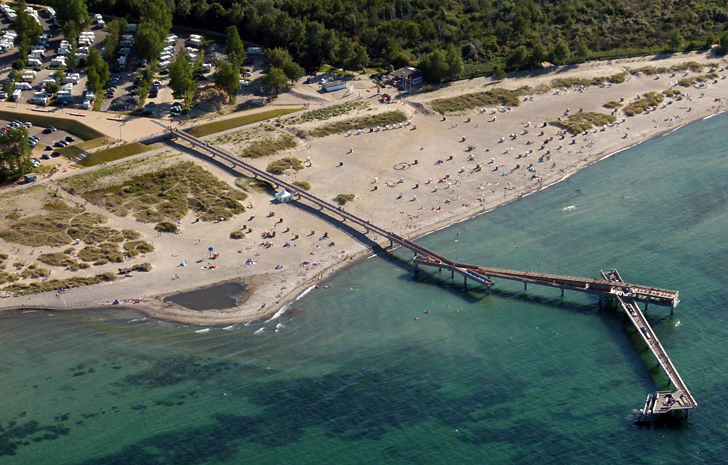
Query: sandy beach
[(410, 181)]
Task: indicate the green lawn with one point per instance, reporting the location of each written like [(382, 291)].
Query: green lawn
[(231, 123), (114, 153)]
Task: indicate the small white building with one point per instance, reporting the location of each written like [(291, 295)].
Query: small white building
[(284, 196), (334, 85)]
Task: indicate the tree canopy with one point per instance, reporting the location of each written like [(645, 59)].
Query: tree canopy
[(72, 16), (274, 81), (181, 79), (227, 78), (14, 153), (98, 72), (511, 34), (234, 47), (155, 21)]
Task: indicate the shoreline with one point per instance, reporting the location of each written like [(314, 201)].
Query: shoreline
[(170, 312), (274, 304)]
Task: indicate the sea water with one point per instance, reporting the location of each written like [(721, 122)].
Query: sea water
[(387, 368)]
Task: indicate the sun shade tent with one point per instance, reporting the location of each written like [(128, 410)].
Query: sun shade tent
[(284, 196)]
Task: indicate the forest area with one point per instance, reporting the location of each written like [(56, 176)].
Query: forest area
[(454, 38)]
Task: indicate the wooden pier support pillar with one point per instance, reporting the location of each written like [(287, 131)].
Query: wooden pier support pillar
[(465, 282), (452, 274), (525, 286), (562, 292), (646, 305)]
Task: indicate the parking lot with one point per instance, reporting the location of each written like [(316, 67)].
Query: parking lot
[(124, 99), (46, 139), (7, 58)]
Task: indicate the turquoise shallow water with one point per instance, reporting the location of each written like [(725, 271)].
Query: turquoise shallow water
[(359, 373)]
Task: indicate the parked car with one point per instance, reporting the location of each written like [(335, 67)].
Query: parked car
[(48, 147), (70, 138), (55, 153), (45, 156), (49, 130)]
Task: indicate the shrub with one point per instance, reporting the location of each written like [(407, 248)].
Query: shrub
[(581, 122), (280, 166), (142, 267), (491, 97), (612, 105), (263, 148), (648, 100), (166, 227), (237, 235), (342, 199), (381, 119), (302, 185)]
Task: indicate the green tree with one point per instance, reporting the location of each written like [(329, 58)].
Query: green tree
[(293, 71), (94, 61), (722, 47), (560, 53), (517, 60), (675, 42), (52, 87), (274, 81), (180, 78), (117, 28), (454, 58), (93, 81), (582, 51), (275, 58), (72, 16), (537, 56), (499, 73), (15, 152), (434, 66), (155, 23), (280, 58), (227, 78), (234, 47), (28, 32), (71, 58)]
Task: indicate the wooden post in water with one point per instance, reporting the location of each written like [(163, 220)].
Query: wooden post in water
[(525, 286), (562, 292), (465, 282)]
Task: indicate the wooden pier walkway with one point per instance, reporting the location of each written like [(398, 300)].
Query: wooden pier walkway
[(663, 401), (612, 286)]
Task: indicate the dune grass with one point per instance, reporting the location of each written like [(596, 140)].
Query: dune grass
[(231, 123), (493, 97), (380, 119), (280, 166), (168, 194), (586, 82), (329, 112), (648, 100), (652, 70), (269, 146), (612, 105), (53, 284), (584, 121), (302, 185), (343, 199)]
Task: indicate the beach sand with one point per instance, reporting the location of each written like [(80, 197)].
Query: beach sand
[(404, 201)]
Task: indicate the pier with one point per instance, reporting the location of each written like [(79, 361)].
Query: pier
[(611, 287)]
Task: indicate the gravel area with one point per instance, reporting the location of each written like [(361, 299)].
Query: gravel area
[(126, 102)]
